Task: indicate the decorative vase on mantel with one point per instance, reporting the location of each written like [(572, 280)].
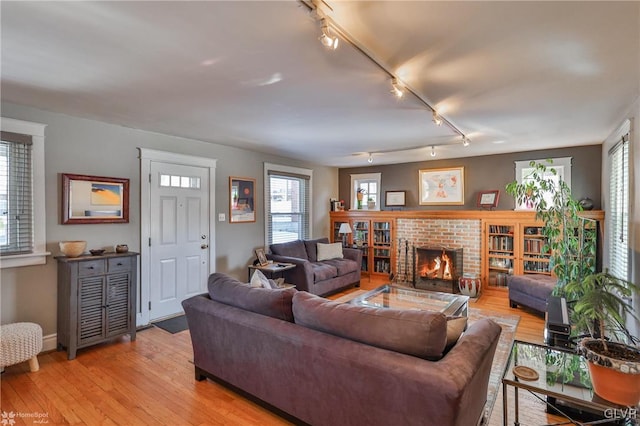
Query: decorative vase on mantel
[(359, 196)]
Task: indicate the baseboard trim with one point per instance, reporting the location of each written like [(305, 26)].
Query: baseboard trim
[(49, 342)]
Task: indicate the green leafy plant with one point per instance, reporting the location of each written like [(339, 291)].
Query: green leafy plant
[(603, 308), (572, 253)]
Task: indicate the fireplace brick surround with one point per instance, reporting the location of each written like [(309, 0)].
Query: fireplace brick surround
[(436, 232)]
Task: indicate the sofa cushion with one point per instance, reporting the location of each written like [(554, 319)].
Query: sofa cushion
[(344, 266), (329, 251), (412, 332), (538, 286), (455, 327), (292, 249), (310, 246), (276, 303), (323, 271)]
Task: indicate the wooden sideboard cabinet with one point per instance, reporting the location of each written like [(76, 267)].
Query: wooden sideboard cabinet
[(96, 299)]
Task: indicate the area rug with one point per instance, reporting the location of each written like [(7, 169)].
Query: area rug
[(173, 325), (508, 323)]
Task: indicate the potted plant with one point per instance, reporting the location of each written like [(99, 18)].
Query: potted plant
[(371, 203), (614, 364), (598, 299), (572, 255)]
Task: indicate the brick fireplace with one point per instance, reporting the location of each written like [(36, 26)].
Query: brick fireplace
[(436, 232)]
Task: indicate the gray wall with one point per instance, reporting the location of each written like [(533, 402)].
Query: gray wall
[(483, 173), (79, 146)]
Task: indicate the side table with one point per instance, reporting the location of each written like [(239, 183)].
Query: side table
[(562, 375), (272, 270)]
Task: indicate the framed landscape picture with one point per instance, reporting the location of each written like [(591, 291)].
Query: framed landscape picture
[(441, 186), (94, 199)]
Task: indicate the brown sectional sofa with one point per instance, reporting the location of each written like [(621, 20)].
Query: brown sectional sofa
[(317, 277), (267, 345)]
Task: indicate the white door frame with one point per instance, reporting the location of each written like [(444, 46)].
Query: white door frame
[(146, 157)]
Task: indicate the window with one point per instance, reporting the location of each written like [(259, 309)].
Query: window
[(287, 203), (22, 203), (173, 181), (369, 184), (562, 166), (618, 213)]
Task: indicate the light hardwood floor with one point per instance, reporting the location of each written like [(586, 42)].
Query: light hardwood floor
[(151, 382)]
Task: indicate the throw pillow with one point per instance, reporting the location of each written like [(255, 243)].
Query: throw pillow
[(413, 332), (258, 279), (329, 251), (455, 327)]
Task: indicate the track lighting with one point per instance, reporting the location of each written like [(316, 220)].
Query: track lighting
[(370, 159), (327, 40), (396, 88), (465, 141), (433, 151), (436, 118)]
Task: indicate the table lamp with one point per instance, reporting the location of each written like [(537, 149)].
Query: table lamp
[(344, 230)]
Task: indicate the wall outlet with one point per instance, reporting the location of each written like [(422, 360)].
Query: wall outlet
[(222, 217)]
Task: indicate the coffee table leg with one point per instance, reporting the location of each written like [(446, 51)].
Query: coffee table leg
[(505, 420), (516, 420)]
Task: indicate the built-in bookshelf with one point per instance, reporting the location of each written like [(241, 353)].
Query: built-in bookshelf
[(500, 254), (535, 253), (374, 236)]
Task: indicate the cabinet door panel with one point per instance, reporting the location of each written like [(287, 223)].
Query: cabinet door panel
[(91, 309), (117, 304)]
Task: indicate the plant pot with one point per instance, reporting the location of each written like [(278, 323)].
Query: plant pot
[(371, 205), (615, 380)]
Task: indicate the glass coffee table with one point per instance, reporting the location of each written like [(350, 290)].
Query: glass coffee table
[(396, 297), (562, 377)]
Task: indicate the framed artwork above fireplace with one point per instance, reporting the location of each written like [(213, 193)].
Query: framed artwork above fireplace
[(442, 186)]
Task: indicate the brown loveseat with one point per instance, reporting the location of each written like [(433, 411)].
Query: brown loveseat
[(325, 363), (317, 277)]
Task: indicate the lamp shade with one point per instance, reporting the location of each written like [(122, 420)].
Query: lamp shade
[(344, 228)]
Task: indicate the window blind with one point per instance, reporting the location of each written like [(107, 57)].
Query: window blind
[(619, 209), (16, 198), (288, 207)]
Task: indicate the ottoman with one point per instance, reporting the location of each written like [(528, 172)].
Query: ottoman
[(530, 290), (21, 341)]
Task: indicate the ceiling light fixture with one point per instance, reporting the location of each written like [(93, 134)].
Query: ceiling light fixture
[(433, 151), (436, 118), (465, 141), (327, 40), (370, 159), (396, 88), (318, 11)]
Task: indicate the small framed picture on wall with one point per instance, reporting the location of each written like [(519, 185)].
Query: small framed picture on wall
[(488, 199)]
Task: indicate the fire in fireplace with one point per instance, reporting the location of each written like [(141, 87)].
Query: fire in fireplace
[(438, 268)]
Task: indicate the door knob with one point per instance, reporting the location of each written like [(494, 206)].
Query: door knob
[(204, 246)]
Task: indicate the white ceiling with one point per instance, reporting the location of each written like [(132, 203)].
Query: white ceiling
[(513, 76)]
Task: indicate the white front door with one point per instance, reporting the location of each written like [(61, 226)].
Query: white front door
[(179, 236)]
